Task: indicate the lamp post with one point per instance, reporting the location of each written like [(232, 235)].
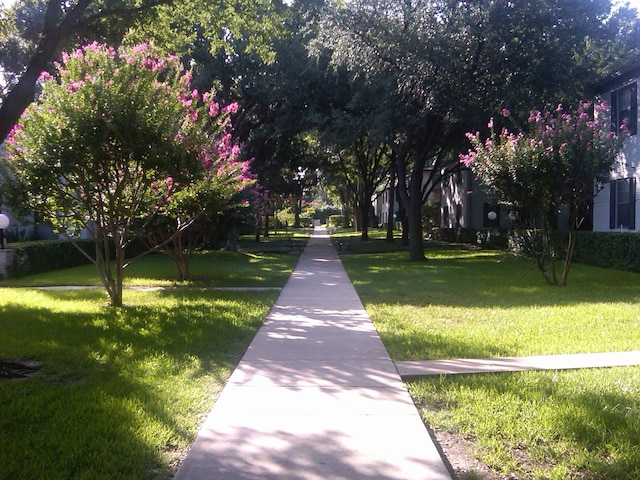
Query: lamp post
[(4, 223)]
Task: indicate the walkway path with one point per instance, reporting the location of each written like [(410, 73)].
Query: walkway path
[(316, 395), (411, 369)]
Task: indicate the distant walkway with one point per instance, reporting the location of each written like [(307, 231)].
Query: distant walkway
[(316, 395)]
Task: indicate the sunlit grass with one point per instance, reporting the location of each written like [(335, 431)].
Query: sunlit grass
[(543, 425), (122, 392), (471, 304), (479, 304), (219, 268)]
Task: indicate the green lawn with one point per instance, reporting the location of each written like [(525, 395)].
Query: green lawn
[(121, 392), (464, 303), (212, 268)]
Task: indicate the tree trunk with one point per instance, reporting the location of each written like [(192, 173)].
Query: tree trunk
[(414, 220), (392, 200), (265, 233), (23, 94), (365, 206), (411, 199), (298, 209)]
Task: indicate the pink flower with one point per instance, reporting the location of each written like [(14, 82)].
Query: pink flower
[(74, 87), (45, 76), (231, 108), (214, 109), (505, 112)]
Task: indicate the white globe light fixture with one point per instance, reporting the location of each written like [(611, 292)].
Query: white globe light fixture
[(492, 215), (4, 223)]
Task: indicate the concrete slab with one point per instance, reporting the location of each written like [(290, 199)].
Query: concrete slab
[(316, 395), (414, 369)]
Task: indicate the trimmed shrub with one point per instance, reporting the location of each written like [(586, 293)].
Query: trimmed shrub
[(46, 255), (336, 221), (620, 251), (491, 239)]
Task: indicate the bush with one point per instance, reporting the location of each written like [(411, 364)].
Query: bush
[(335, 221), (46, 255), (324, 213), (620, 251), (492, 239)]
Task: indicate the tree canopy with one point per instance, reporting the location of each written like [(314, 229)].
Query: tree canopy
[(111, 142), (553, 165)]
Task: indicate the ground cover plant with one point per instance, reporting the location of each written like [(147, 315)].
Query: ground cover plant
[(121, 391), (468, 303)]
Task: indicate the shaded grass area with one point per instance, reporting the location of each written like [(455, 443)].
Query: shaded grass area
[(474, 304), (211, 268), (464, 303), (542, 425), (121, 392)]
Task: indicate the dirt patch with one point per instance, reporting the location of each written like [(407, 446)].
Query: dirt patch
[(459, 452), (18, 368)]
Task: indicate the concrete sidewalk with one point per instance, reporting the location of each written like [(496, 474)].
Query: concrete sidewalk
[(316, 395), (420, 368)]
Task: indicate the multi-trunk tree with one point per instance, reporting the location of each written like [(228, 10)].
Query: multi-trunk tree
[(113, 141), (558, 163)]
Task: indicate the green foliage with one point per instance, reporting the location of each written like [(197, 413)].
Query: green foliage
[(608, 250), (325, 212), (485, 238), (47, 255), (336, 221), (113, 140), (553, 165)]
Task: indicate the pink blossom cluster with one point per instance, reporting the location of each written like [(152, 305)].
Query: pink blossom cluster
[(559, 132)]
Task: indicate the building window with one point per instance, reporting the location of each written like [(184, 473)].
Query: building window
[(623, 204), (624, 108)]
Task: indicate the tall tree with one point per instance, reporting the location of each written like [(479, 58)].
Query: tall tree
[(449, 64)]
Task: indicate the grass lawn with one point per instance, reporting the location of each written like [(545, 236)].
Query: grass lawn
[(212, 268), (464, 303), (121, 392)]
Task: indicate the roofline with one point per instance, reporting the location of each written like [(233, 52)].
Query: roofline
[(630, 72)]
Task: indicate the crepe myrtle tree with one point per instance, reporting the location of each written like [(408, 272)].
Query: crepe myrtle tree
[(559, 163), (185, 219), (108, 128)]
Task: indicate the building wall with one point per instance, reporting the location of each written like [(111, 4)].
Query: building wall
[(627, 166)]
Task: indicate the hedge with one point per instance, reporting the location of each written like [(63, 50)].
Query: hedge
[(620, 251), (46, 255)]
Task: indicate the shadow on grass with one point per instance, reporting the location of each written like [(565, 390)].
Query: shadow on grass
[(481, 279), (114, 395), (583, 422)]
